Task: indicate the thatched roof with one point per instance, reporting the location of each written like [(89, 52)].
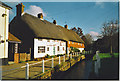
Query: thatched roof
[(42, 28)]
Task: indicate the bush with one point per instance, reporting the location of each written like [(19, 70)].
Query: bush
[(57, 67), (73, 49), (76, 58), (47, 56), (53, 56), (59, 55)]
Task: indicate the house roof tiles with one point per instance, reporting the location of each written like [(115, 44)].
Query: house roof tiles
[(12, 38)]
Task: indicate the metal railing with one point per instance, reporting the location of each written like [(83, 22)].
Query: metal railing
[(30, 70)]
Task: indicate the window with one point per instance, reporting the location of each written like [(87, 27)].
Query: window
[(81, 44), (47, 48), (72, 42), (69, 42), (48, 40), (41, 49), (58, 48), (60, 43), (63, 48), (78, 43)]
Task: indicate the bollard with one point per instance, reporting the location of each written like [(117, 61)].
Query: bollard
[(59, 59), (64, 58), (96, 68), (27, 71), (43, 65), (52, 62)]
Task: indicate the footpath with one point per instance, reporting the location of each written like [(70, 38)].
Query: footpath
[(17, 71)]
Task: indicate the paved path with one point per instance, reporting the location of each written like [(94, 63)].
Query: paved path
[(17, 71)]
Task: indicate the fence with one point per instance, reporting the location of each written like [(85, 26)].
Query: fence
[(32, 69), (19, 57)]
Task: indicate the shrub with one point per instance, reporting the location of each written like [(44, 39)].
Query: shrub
[(59, 55), (73, 49), (47, 56), (57, 67)]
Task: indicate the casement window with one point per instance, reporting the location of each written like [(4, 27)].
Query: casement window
[(48, 40), (81, 44), (41, 49), (58, 48), (60, 43), (63, 48), (47, 48), (69, 42)]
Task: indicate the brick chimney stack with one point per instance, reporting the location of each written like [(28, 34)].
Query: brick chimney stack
[(20, 9)]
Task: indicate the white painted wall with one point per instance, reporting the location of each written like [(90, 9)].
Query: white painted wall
[(51, 45), (4, 32)]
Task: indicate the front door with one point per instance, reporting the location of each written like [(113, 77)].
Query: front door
[(54, 50)]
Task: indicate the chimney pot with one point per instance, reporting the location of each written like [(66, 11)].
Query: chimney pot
[(66, 26), (40, 15), (54, 22)]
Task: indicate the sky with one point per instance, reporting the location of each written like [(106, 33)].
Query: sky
[(89, 16)]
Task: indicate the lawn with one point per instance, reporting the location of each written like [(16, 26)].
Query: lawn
[(106, 55)]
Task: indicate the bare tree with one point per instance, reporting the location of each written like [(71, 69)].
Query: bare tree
[(109, 29), (78, 30), (89, 38)]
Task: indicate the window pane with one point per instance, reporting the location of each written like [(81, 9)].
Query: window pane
[(41, 49)]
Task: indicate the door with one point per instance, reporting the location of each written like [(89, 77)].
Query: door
[(54, 50)]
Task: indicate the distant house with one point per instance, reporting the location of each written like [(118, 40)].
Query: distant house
[(4, 21), (41, 36)]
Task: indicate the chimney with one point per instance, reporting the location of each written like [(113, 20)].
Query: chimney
[(40, 15), (66, 26), (20, 9), (54, 22)]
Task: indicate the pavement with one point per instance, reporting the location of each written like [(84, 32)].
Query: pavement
[(17, 71)]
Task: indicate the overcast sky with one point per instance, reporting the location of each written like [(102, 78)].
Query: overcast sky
[(87, 15)]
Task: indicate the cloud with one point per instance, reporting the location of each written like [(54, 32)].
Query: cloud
[(94, 34), (34, 10)]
